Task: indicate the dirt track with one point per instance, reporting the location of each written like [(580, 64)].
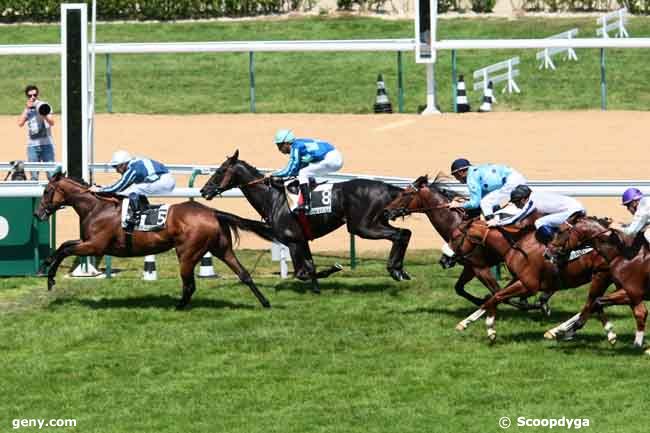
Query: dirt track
[(555, 145)]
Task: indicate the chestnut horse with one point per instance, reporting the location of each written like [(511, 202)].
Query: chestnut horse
[(630, 272), (432, 200), (191, 228), (478, 248)]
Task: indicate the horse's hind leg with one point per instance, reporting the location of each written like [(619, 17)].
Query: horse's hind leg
[(229, 258)]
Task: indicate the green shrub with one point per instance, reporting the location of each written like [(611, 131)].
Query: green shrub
[(483, 6)]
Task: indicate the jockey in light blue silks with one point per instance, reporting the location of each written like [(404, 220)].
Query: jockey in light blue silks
[(140, 176), (639, 206), (307, 158), (489, 185)]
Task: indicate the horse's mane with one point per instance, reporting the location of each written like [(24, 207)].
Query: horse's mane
[(248, 166), (78, 181), (436, 185), (603, 221)]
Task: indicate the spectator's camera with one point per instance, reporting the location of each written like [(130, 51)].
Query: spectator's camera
[(43, 108)]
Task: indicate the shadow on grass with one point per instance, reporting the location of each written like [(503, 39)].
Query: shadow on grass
[(340, 284), (156, 301), (507, 311)]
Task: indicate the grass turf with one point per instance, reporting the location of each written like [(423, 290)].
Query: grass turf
[(368, 355), (324, 82)]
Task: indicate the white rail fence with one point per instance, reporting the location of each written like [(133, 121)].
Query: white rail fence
[(546, 54), (495, 74), (613, 21)]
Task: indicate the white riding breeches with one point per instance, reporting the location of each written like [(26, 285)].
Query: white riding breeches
[(501, 195), (556, 219), (166, 183), (332, 162)]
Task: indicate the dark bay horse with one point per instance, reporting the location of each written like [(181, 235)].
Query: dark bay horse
[(630, 272), (191, 228), (357, 203)]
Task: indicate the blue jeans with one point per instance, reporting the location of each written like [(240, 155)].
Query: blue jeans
[(40, 153)]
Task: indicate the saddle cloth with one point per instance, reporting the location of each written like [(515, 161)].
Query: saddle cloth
[(321, 197), (149, 220)]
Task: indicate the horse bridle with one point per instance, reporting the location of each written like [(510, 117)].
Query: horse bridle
[(584, 242), (403, 211)]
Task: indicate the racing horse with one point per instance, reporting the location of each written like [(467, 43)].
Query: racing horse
[(526, 260), (629, 267), (358, 203), (191, 228), (493, 245)]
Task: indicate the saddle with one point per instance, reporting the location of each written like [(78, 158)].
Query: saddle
[(320, 192), (149, 218)]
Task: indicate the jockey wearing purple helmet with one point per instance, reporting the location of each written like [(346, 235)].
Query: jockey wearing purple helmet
[(638, 206)]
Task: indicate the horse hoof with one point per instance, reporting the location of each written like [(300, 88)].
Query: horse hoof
[(492, 338), (461, 326), (50, 285), (405, 275), (612, 341), (395, 275), (546, 309), (549, 335), (266, 304)]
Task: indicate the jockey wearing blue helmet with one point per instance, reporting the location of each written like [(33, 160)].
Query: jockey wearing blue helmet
[(307, 158)]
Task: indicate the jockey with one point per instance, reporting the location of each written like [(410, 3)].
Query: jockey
[(308, 158), (140, 176), (556, 207), (639, 206), (488, 184)]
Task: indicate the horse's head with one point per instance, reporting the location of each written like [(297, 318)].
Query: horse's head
[(54, 197), (578, 232), (407, 200), (223, 179)]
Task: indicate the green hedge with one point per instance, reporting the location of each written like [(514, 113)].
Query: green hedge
[(143, 10)]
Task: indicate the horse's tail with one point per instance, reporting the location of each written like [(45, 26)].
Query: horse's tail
[(233, 222)]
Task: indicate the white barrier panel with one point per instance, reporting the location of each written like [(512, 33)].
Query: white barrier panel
[(280, 253), (546, 54), (484, 75), (613, 21)]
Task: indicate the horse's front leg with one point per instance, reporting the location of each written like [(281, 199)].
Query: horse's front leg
[(465, 277), (67, 248)]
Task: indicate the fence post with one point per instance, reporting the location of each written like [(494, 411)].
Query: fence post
[(454, 81), (603, 82), (400, 83), (251, 74), (109, 84), (193, 176)]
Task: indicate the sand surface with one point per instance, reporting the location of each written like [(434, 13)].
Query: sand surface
[(543, 146)]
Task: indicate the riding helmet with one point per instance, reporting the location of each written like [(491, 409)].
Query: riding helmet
[(120, 157), (520, 192), (630, 195), (459, 164), (284, 136)]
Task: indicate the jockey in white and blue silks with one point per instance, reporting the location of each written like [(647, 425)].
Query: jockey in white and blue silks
[(639, 206), (556, 208), (140, 176), (307, 158), (489, 185)]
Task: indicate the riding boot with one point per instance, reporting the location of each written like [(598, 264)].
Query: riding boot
[(306, 198), (133, 213)]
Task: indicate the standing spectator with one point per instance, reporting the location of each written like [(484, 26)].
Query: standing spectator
[(40, 147)]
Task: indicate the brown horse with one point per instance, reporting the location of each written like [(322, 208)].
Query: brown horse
[(191, 228), (630, 272), (491, 246), (432, 200), (534, 273)]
